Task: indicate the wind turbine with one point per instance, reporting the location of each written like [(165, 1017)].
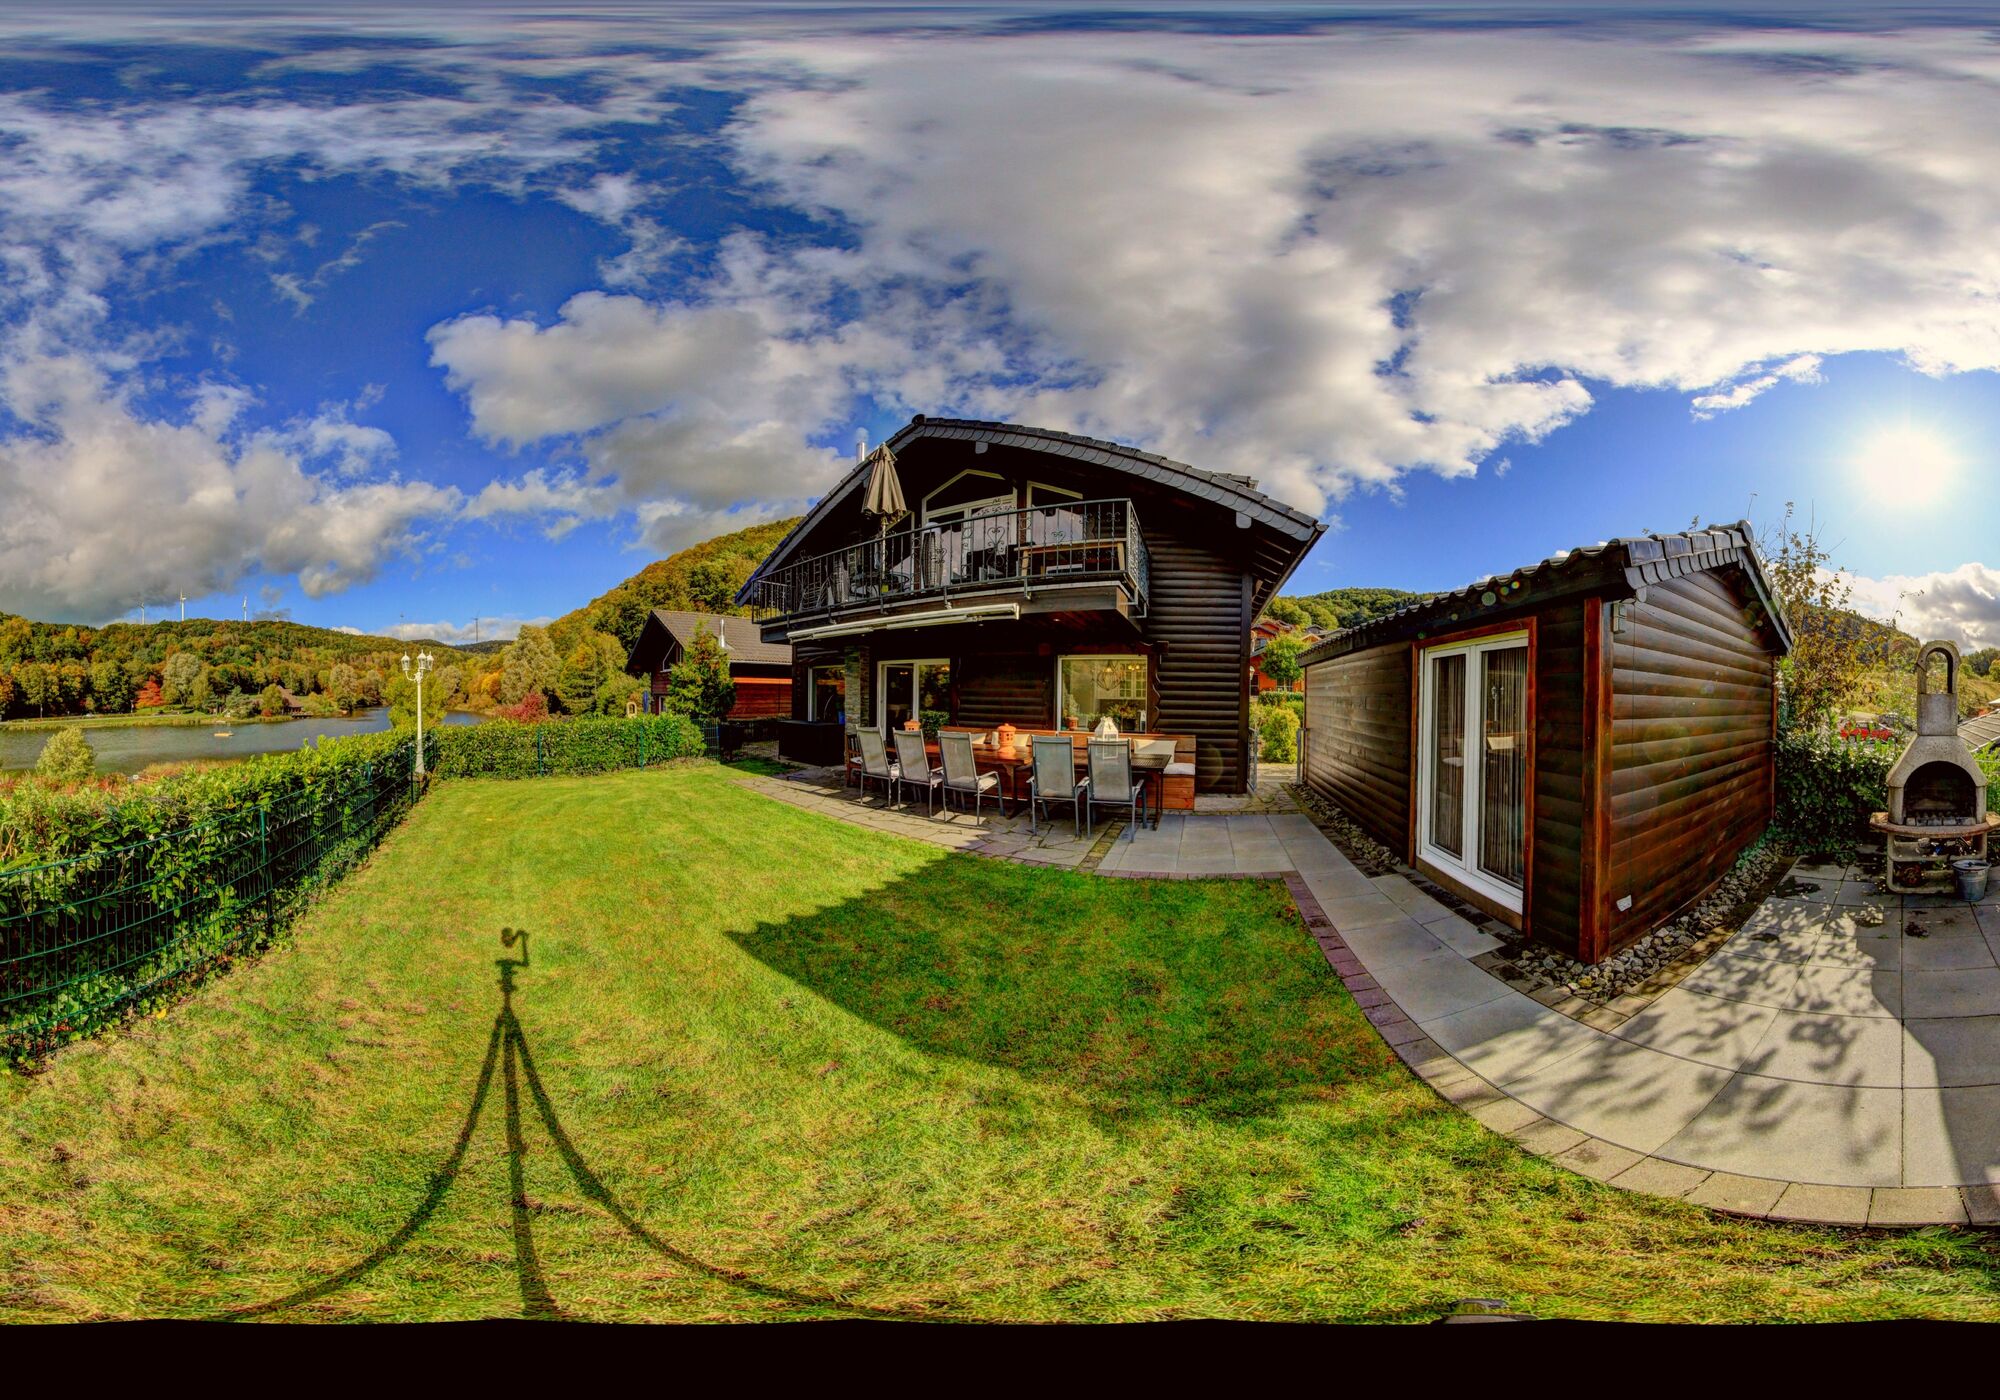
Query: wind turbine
[(184, 607)]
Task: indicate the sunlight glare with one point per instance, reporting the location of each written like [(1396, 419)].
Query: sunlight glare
[(1908, 465)]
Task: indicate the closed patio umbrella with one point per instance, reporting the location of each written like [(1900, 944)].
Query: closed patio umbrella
[(884, 497)]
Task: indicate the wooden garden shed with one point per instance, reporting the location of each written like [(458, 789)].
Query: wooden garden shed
[(1582, 747)]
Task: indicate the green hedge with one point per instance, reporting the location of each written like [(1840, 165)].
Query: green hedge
[(1828, 787), (588, 744)]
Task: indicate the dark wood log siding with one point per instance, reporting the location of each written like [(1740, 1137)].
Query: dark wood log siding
[(1554, 903), (1691, 748), (1197, 619), (1358, 712), (994, 688)]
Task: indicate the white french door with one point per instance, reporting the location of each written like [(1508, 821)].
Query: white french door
[(1472, 763)]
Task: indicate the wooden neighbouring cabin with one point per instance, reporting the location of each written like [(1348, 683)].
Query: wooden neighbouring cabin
[(1581, 748), (1038, 579), (761, 670)]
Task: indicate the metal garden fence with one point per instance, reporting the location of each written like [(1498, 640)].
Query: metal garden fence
[(82, 937)]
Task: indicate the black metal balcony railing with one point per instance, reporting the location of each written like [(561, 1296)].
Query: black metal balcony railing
[(1044, 546)]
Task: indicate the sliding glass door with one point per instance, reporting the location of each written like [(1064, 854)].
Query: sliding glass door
[(910, 688), (1472, 754)]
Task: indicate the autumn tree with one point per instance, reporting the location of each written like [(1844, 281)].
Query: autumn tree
[(582, 673), (1830, 650)]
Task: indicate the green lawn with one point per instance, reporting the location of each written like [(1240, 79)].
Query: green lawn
[(800, 1069)]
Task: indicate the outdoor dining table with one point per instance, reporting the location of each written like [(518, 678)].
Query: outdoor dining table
[(988, 758)]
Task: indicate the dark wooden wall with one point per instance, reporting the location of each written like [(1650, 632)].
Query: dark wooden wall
[(1199, 618), (1691, 747), (1555, 898), (1358, 712)]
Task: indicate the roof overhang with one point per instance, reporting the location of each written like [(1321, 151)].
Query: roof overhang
[(990, 612)]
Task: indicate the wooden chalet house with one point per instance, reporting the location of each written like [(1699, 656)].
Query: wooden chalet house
[(1581, 748), (1038, 579), (762, 670)]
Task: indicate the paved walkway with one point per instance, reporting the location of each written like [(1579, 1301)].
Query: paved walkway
[(1836, 1060)]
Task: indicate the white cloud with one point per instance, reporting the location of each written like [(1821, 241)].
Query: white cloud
[(1958, 605), (489, 629), (108, 508)]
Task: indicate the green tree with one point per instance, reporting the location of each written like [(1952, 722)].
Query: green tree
[(1281, 661), (616, 690), (37, 683), (271, 701), (111, 687), (401, 693), (67, 758), (178, 676), (582, 673), (528, 664), (699, 685), (1980, 662)]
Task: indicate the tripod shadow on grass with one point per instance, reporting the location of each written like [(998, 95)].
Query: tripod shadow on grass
[(507, 1050)]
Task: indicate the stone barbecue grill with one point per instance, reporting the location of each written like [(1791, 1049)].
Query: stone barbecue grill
[(1937, 794)]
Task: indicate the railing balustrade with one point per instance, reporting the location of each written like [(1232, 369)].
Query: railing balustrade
[(1041, 546)]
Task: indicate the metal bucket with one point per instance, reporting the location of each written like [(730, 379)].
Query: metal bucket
[(1971, 878)]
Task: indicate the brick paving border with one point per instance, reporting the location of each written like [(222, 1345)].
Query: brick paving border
[(1754, 1198)]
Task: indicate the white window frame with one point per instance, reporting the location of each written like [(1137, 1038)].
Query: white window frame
[(916, 665), (1464, 868), (1147, 717), (964, 510)]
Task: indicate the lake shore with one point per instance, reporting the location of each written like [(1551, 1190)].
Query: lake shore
[(55, 722)]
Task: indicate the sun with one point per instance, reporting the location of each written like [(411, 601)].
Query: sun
[(1908, 465)]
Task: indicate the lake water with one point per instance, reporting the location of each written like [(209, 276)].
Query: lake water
[(128, 749)]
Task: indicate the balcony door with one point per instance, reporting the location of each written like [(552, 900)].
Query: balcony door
[(1472, 759), (908, 688)]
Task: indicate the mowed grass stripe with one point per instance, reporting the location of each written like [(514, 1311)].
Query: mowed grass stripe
[(825, 1070)]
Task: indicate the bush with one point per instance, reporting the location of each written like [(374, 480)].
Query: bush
[(1828, 787), (1277, 729), (67, 758), (587, 744)]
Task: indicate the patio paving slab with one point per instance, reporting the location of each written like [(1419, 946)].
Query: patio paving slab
[(1696, 1026), (1951, 1052), (1951, 1137), (1966, 992), (1623, 1093), (1793, 1131), (1509, 1037), (1829, 1205), (1429, 987), (1821, 1048)]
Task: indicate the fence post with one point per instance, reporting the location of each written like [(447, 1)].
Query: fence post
[(642, 744), (264, 863), (540, 770)]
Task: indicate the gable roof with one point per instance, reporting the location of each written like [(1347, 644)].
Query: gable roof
[(1634, 561), (742, 638), (1229, 491)]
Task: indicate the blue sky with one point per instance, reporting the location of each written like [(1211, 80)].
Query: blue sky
[(419, 317)]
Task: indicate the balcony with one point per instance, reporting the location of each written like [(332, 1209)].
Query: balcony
[(1079, 555)]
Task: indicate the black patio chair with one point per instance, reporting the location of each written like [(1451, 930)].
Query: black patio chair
[(1113, 783), (1054, 779)]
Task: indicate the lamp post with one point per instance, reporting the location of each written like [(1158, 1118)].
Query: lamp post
[(421, 669)]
